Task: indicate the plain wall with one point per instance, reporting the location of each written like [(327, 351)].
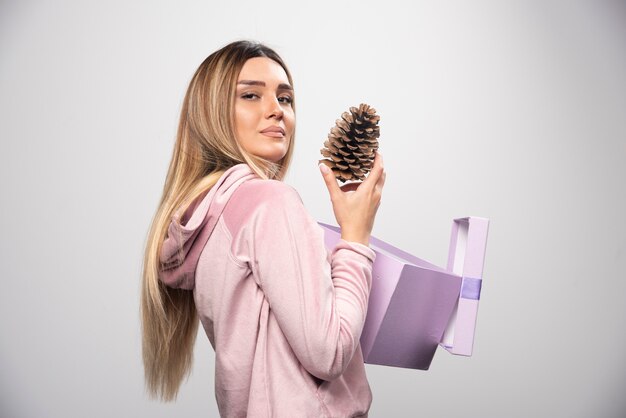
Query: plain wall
[(514, 111)]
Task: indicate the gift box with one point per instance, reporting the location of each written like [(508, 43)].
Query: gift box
[(415, 306)]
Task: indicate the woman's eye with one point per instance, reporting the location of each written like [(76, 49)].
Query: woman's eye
[(285, 99), (249, 96)]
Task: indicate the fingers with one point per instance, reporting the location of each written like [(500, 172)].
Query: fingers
[(329, 179), (377, 171), (374, 181)]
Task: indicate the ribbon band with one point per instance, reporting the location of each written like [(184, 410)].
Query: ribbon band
[(470, 289)]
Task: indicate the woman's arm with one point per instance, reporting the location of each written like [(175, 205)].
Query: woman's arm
[(319, 302)]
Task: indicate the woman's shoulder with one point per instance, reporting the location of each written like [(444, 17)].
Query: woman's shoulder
[(258, 191), (259, 195)]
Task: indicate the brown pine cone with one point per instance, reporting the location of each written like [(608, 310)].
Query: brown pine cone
[(352, 143)]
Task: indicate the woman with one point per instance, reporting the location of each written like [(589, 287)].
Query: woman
[(233, 246)]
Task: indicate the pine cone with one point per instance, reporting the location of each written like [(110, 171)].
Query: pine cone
[(352, 143)]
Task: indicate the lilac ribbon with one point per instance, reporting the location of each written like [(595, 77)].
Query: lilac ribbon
[(470, 289)]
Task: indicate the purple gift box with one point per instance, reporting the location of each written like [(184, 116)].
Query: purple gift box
[(415, 306)]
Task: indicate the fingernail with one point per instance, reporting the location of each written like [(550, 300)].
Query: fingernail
[(324, 168)]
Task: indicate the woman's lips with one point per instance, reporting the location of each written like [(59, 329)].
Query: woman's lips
[(274, 132)]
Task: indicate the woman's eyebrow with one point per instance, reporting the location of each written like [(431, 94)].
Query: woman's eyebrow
[(281, 86), (251, 83)]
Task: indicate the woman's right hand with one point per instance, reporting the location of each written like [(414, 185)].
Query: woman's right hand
[(355, 204)]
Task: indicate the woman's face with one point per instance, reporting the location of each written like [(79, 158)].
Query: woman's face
[(264, 118)]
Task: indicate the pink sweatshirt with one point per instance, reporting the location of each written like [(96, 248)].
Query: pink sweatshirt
[(283, 315)]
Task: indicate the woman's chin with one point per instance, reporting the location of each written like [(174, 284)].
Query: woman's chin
[(274, 156)]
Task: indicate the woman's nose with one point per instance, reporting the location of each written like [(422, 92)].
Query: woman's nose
[(274, 110)]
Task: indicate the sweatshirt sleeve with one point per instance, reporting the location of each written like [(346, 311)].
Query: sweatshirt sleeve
[(319, 300)]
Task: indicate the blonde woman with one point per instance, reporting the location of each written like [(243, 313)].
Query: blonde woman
[(232, 246)]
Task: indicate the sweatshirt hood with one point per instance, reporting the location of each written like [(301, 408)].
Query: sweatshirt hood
[(189, 232)]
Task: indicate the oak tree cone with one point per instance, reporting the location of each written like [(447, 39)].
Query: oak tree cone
[(352, 143)]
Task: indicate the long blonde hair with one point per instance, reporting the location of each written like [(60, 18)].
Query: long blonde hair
[(205, 147)]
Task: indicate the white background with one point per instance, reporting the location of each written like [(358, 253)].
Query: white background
[(510, 110)]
